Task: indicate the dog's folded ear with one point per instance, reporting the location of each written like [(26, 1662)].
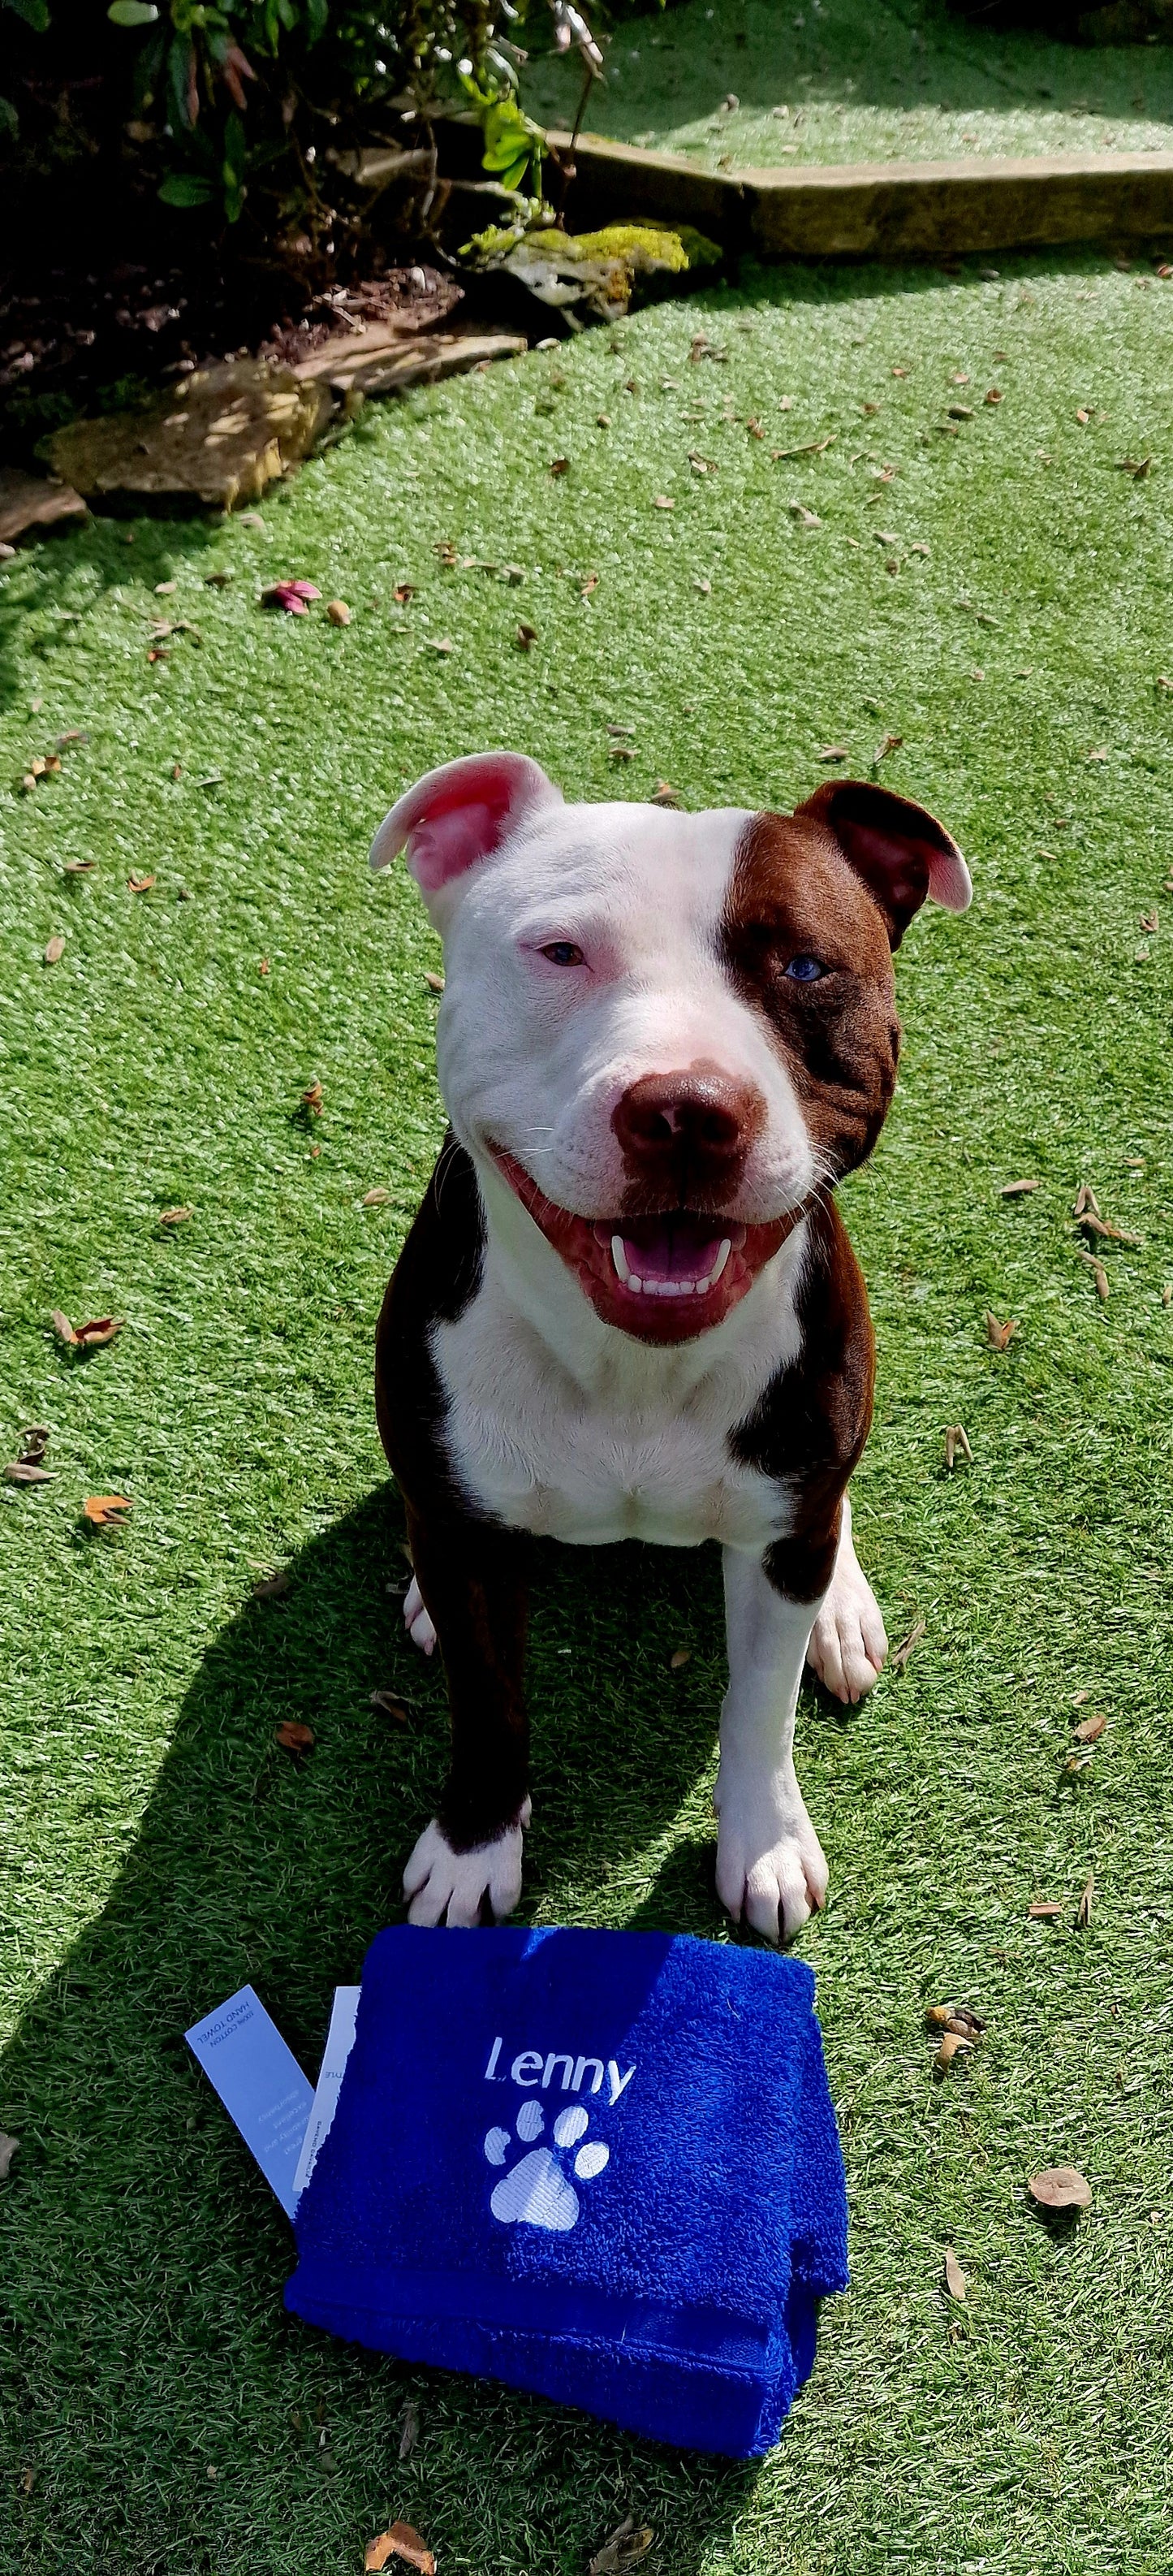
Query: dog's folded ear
[(459, 814), (901, 852)]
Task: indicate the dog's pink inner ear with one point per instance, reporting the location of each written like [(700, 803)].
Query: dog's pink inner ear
[(901, 851), (459, 814)]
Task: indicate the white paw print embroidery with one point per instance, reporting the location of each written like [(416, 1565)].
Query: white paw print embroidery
[(536, 2191)]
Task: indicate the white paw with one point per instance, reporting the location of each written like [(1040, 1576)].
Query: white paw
[(770, 1865), (536, 2192), (848, 1643), (416, 1621), (444, 1886)]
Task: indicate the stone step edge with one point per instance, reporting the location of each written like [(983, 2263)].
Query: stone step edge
[(880, 209)]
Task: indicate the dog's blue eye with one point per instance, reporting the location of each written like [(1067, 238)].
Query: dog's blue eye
[(805, 970), (562, 952)]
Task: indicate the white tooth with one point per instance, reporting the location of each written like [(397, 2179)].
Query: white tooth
[(719, 1264), (619, 1257), (635, 1284)]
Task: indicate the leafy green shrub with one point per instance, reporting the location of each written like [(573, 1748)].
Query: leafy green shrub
[(221, 99)]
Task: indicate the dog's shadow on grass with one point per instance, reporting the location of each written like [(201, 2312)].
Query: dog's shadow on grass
[(145, 2257)]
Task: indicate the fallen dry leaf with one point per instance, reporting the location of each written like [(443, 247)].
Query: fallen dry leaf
[(389, 1704), (955, 2279), (994, 395), (662, 502), (269, 1587), (1099, 1274), (626, 2544), (804, 517), (680, 1656), (998, 1334), (54, 949), (891, 742), (1091, 1730), (900, 1654), (955, 1439), (833, 751), (1083, 1911), (957, 2018), (1093, 1223), (106, 1511), (1060, 2187), (94, 1335), (33, 1444), (79, 867), (1018, 1189), (293, 1737), (8, 2147), (526, 636), (400, 2542), (174, 1216), (1043, 1910), (338, 612), (376, 1198), (813, 447), (435, 983), (411, 2429), (1102, 753), (28, 1471), (663, 794), (954, 2044), (1085, 1201), (311, 1099), (139, 885), (62, 1327), (560, 465), (1150, 921), (1137, 466)]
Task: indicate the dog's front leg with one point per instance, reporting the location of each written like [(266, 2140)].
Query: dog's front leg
[(472, 1579), (770, 1867)]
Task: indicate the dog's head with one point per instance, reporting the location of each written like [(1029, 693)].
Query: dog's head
[(666, 1031)]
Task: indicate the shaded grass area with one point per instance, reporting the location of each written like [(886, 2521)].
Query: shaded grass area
[(158, 1848), (842, 80)]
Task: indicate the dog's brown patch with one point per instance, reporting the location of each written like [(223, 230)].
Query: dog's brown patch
[(793, 893)]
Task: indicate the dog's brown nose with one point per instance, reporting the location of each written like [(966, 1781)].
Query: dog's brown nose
[(687, 1134)]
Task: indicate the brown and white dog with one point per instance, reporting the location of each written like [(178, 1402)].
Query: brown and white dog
[(628, 1307)]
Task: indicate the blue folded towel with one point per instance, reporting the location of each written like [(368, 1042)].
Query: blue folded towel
[(601, 2165)]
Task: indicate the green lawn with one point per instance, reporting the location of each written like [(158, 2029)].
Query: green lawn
[(160, 2412), (860, 80)]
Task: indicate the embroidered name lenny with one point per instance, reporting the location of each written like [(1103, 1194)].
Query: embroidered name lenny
[(531, 2068)]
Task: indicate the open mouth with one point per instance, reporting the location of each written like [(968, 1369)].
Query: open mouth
[(662, 1278)]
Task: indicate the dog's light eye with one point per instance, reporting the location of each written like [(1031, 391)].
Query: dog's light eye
[(562, 952), (805, 970)]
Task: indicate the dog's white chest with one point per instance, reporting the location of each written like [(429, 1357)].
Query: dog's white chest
[(643, 1452)]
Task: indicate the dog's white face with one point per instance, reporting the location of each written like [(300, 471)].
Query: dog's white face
[(664, 1030)]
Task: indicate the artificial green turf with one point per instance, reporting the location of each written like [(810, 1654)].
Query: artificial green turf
[(859, 80), (159, 1849)]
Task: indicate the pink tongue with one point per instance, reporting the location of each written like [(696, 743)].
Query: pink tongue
[(671, 1252)]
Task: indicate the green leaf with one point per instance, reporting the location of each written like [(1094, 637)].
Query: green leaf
[(132, 13), (184, 189), (34, 13), (235, 149)]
